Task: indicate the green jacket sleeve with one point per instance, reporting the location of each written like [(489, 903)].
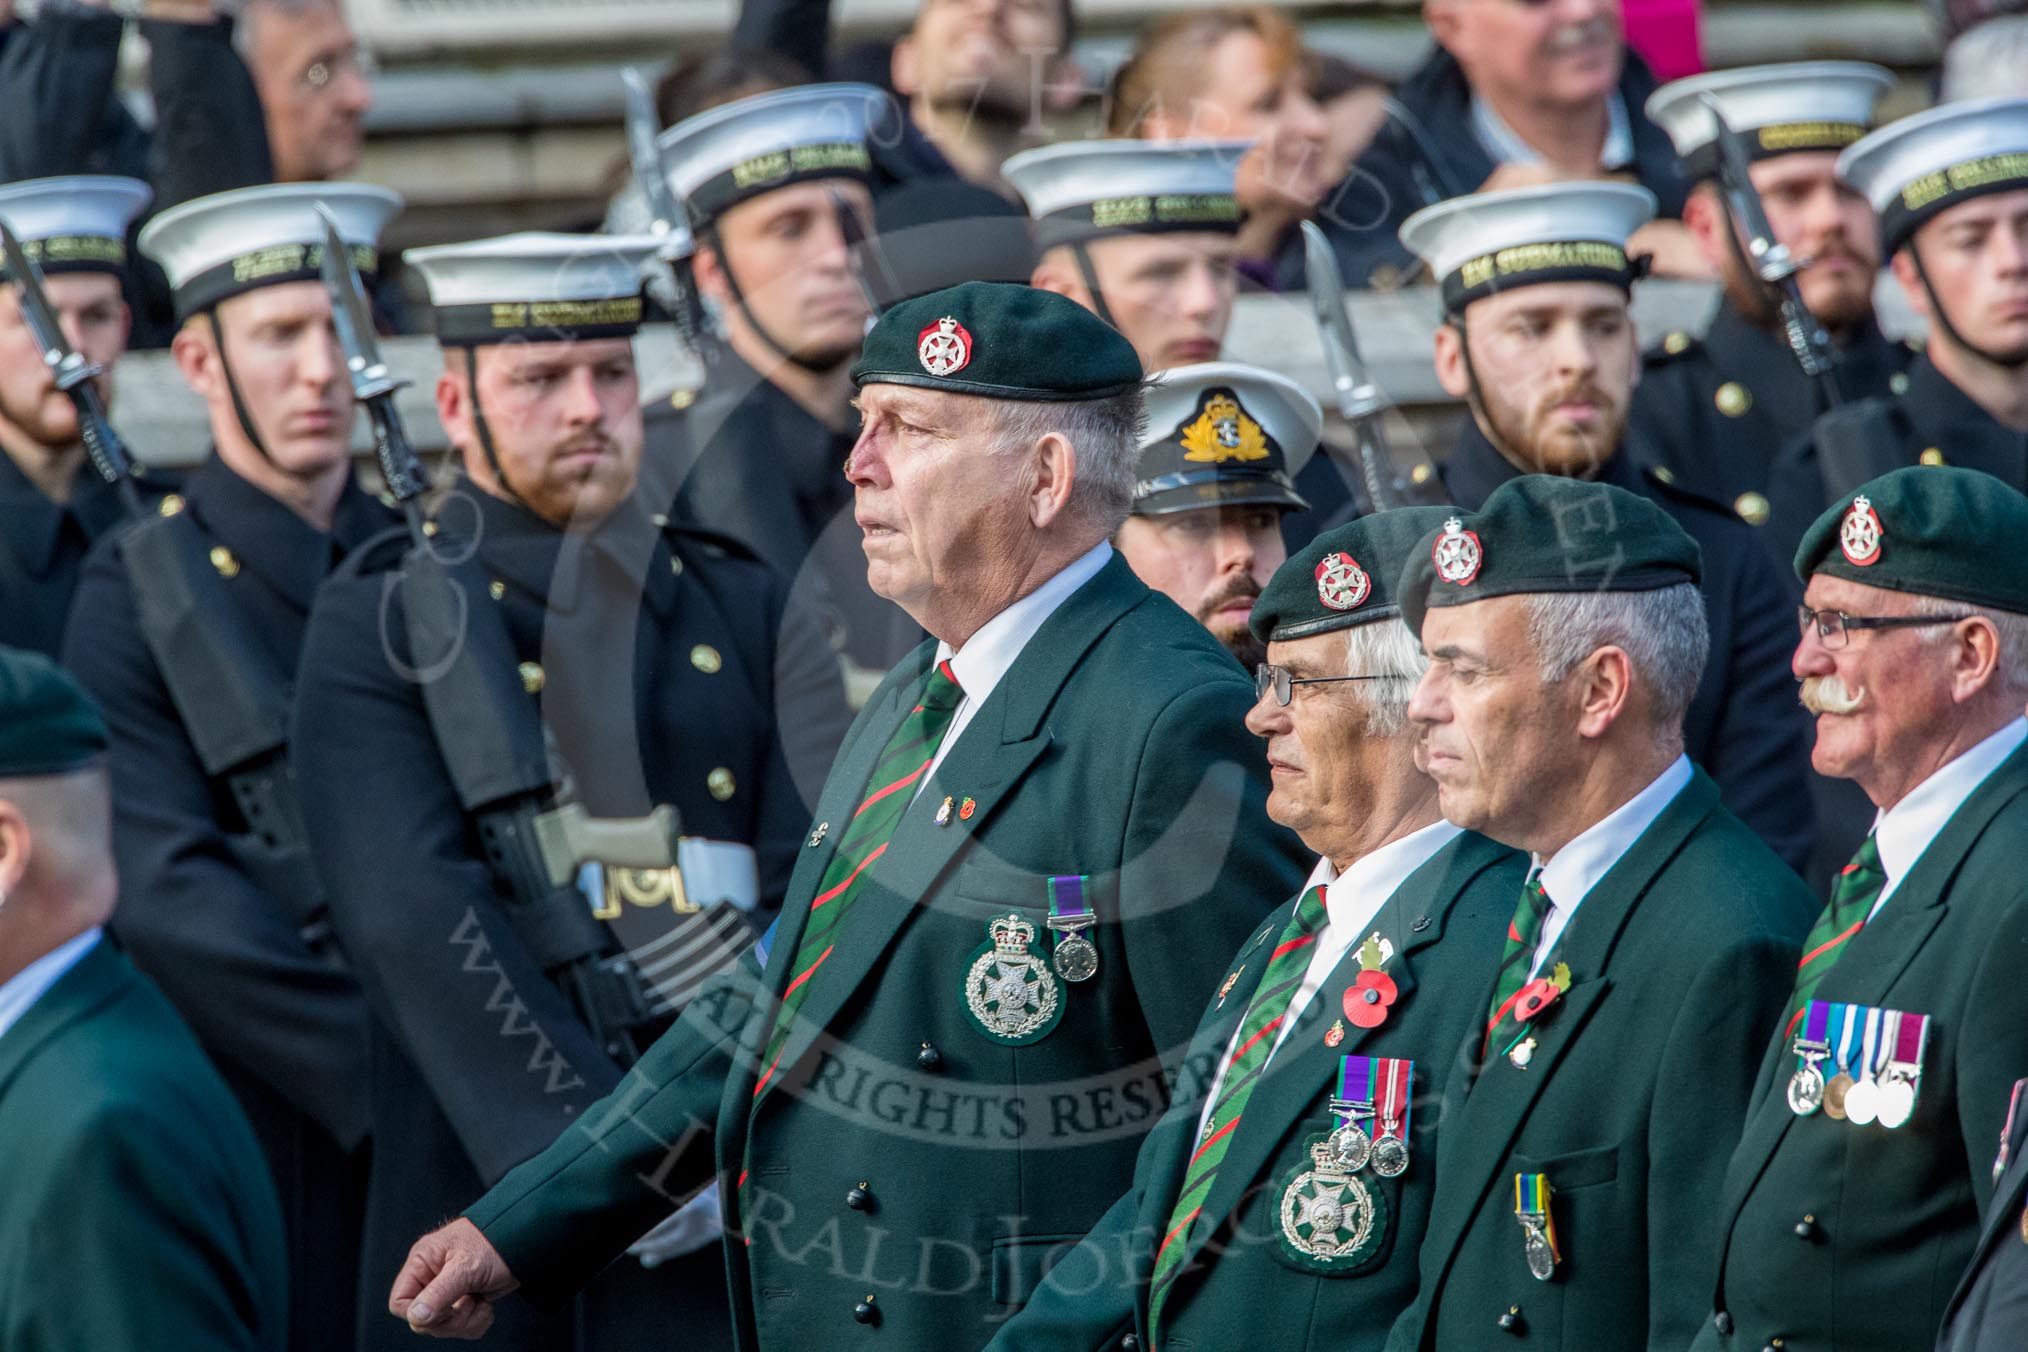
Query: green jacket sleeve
[(630, 1160)]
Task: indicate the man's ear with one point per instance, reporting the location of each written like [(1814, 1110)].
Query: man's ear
[(1054, 273), (1055, 469), (709, 273), (904, 67), (196, 358), (1903, 264), (1450, 361), (1444, 24), (454, 409), (1705, 217), (1606, 685)]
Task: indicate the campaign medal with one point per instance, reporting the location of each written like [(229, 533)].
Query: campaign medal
[(1074, 956), (2007, 1134), (1862, 1102), (1393, 1080), (1538, 1225), (1373, 992), (1806, 1086), (1351, 1146), (1011, 993), (1845, 1023), (1908, 1037), (1330, 1218)]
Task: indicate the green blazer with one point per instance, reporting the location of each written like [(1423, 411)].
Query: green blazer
[(1239, 1287), (137, 1210), (911, 1173), (1854, 1237), (1681, 956), (1989, 1310)]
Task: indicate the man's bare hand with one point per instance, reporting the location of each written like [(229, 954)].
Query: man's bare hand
[(447, 1287)]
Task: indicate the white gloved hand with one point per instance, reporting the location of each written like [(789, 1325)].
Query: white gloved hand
[(695, 1225)]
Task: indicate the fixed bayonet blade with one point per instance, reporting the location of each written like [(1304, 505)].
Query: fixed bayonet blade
[(1356, 396), (860, 255), (1771, 258), (69, 368), (353, 317), (665, 217)]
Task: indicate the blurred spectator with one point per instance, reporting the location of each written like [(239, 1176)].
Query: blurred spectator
[(977, 76), (1988, 62), (1354, 101), (1236, 71), (279, 96), (1514, 94)]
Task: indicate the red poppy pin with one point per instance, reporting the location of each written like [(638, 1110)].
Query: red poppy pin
[(1373, 992), (1541, 993)]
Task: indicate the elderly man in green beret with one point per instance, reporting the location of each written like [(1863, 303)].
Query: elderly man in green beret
[(1284, 1208), (1646, 956), (1869, 1151), (137, 1210), (1041, 841)]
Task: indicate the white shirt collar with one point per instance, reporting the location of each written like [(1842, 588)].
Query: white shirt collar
[(1505, 145), (1574, 870), (28, 985), (989, 653), (1354, 897), (1905, 830)]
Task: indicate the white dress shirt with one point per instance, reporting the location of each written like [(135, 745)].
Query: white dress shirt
[(1905, 830), (989, 653), (1505, 145), (29, 984), (1571, 873), (1351, 900)]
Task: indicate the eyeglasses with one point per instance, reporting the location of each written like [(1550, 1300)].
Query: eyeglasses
[(1278, 679), (1832, 626), (319, 75)]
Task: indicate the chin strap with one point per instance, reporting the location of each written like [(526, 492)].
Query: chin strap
[(1943, 320), (1091, 284), (239, 408), (711, 237), (486, 432), (1475, 397)]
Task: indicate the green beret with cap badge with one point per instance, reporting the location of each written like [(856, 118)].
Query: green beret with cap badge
[(48, 725), (1346, 576), (999, 340), (1934, 530), (1540, 533)]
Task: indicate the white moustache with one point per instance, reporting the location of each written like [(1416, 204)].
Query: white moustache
[(1828, 695)]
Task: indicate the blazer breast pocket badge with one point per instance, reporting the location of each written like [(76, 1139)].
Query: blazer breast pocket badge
[(1332, 1216), (1010, 992)]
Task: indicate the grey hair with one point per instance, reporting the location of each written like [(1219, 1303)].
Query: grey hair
[(248, 13), (1387, 649), (1989, 61), (1663, 632), (1105, 433), (2012, 627)]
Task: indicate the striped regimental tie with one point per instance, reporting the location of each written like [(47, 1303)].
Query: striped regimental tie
[(1255, 1043), (1524, 932), (1853, 894), (890, 790)]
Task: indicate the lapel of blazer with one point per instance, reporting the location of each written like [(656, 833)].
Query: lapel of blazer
[(1004, 739), (1873, 960), (2002, 1220), (1303, 1064), (95, 979), (1484, 1114)]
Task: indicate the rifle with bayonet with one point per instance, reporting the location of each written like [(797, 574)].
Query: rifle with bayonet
[(232, 699), (1771, 261), (493, 744), (1359, 400), (665, 216), (862, 259), (76, 379)]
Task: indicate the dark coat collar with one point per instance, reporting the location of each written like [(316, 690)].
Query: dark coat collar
[(550, 565), (267, 536), (32, 522)]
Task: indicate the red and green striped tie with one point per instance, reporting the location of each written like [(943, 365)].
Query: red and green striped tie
[(1852, 896), (1524, 932), (1251, 1049), (892, 787)]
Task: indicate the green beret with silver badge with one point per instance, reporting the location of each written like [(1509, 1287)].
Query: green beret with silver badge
[(999, 340), (1934, 530), (1348, 575), (48, 725), (1540, 533)]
